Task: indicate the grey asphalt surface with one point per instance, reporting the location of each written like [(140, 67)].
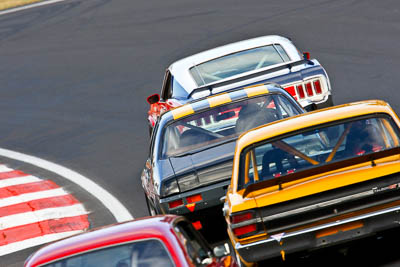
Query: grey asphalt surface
[(74, 75)]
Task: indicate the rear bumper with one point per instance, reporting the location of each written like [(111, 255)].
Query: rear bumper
[(307, 239), (327, 102), (208, 211), (210, 195)]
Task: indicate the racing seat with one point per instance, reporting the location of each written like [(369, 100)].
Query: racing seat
[(283, 162)]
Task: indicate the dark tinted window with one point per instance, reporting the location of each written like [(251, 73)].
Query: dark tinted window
[(223, 123)]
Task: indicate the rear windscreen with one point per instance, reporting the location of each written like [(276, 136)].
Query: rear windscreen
[(311, 148)]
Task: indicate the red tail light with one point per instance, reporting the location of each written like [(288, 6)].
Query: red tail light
[(309, 89), (194, 198), (291, 90), (197, 225), (317, 86), (300, 91), (175, 203), (244, 229), (242, 217)]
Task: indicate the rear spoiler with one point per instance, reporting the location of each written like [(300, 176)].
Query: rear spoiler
[(250, 76), (321, 169)]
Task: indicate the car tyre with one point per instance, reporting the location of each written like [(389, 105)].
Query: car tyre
[(152, 211)]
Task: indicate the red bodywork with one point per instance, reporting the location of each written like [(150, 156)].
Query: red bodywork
[(159, 108), (159, 227)]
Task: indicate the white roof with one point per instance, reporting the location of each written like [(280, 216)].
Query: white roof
[(180, 68)]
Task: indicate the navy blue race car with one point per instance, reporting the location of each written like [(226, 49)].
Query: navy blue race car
[(189, 165)]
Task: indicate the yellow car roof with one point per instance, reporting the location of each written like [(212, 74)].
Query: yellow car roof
[(312, 119)]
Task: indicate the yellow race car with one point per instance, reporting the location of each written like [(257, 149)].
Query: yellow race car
[(314, 180)]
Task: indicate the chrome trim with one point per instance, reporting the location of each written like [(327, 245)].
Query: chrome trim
[(248, 222), (319, 205), (366, 206), (324, 226)]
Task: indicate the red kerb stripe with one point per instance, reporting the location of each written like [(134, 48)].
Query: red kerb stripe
[(12, 174), (44, 203), (15, 190), (42, 228)]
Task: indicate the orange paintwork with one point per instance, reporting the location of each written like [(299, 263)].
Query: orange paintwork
[(313, 184), (339, 228), (307, 120)]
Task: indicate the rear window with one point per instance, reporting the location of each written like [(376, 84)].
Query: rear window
[(223, 123), (238, 63), (311, 148)]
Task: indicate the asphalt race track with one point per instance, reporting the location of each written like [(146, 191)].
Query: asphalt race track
[(74, 77)]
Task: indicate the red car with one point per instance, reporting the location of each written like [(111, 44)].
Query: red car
[(151, 241)]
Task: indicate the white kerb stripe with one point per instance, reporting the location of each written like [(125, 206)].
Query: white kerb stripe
[(19, 180), (8, 201), (4, 168), (116, 208), (41, 215), (36, 241)]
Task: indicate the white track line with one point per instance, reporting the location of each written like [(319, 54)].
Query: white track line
[(116, 208), (4, 168), (36, 241), (8, 201), (12, 10), (20, 219), (19, 180)]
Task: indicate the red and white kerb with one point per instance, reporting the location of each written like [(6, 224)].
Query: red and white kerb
[(34, 211)]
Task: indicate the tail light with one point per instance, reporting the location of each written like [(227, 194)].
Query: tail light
[(248, 229), (175, 203), (300, 91), (238, 218), (309, 89), (291, 90), (305, 89), (317, 87), (245, 224), (197, 225), (194, 198)]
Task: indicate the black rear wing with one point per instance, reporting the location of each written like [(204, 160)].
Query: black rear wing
[(250, 76)]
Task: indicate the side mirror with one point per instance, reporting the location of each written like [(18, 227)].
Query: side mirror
[(221, 250), (153, 99)]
